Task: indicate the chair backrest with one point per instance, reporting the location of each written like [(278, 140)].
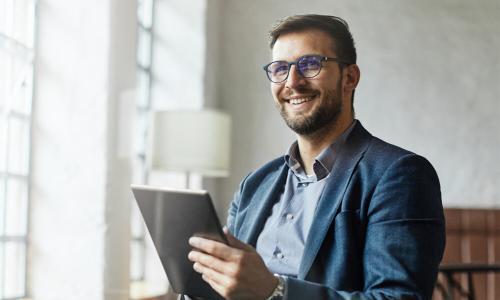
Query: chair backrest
[(473, 236)]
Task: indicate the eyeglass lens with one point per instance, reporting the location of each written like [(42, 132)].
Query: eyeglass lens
[(308, 66)]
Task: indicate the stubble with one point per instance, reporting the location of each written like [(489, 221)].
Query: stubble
[(325, 114)]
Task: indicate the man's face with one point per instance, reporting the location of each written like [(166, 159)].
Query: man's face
[(308, 104)]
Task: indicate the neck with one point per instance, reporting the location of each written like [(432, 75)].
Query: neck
[(311, 145)]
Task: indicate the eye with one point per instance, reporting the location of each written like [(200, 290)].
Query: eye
[(278, 68), (309, 62)]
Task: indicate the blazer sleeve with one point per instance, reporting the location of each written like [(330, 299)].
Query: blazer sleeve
[(233, 208), (404, 238), (231, 214)]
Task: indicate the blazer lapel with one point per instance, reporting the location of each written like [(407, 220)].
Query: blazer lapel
[(261, 204), (335, 188)]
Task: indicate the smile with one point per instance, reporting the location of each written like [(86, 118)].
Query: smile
[(297, 101)]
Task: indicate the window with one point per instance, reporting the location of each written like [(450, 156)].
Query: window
[(143, 109), (17, 31)]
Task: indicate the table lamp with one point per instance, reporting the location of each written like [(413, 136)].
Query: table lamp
[(191, 141)]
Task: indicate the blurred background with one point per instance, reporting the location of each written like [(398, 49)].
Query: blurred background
[(80, 80)]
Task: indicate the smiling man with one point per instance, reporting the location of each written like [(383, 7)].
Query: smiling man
[(343, 214)]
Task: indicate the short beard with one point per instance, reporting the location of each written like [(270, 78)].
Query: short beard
[(325, 115)]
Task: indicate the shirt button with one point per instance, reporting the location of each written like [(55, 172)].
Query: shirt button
[(289, 217), (280, 255)]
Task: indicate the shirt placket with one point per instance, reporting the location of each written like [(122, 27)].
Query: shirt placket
[(288, 217)]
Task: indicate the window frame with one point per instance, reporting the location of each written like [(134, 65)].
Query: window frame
[(143, 108), (22, 51)]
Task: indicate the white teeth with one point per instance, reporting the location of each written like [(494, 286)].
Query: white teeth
[(300, 100)]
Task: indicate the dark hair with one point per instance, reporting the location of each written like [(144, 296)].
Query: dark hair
[(336, 27)]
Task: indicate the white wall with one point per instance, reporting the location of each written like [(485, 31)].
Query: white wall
[(79, 229), (430, 83), (68, 135), (121, 78)]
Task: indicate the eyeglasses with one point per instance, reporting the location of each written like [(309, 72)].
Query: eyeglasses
[(308, 66)]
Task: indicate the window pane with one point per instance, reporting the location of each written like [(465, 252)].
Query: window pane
[(14, 269), (16, 207), (17, 25), (143, 88), (136, 260), (144, 48), (138, 167), (18, 146), (22, 91), (26, 9), (141, 125), (145, 13), (136, 221), (2, 212), (6, 16), (3, 142), (2, 269), (15, 81), (5, 74), (16, 20)]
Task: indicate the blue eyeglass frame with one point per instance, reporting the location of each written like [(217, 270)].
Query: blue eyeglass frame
[(289, 65)]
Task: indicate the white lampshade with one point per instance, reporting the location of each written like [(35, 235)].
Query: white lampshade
[(191, 141)]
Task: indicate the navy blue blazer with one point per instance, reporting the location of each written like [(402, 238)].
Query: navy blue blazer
[(378, 231)]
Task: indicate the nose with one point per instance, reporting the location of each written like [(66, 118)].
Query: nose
[(294, 78)]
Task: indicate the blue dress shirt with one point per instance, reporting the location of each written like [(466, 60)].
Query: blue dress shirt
[(282, 240)]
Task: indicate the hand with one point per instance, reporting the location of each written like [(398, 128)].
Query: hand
[(235, 271)]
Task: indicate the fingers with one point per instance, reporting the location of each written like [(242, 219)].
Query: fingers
[(210, 274), (234, 271), (219, 249), (211, 247), (219, 282), (217, 287), (211, 262)]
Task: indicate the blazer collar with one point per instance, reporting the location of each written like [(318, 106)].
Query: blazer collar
[(261, 205), (268, 192)]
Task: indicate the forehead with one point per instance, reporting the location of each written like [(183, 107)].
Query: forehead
[(291, 46)]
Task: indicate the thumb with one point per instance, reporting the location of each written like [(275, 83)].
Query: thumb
[(234, 242)]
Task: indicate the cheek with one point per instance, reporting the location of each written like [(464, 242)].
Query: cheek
[(276, 90), (329, 87)]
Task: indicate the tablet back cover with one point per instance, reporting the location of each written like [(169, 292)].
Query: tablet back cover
[(172, 217)]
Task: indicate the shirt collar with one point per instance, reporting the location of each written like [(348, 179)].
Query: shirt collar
[(324, 161)]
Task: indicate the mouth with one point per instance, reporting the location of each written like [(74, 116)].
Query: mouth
[(300, 99)]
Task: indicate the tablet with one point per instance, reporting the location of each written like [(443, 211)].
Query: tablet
[(172, 216)]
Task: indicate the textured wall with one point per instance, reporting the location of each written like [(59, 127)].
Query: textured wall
[(429, 83)]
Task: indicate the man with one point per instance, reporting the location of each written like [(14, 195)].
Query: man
[(343, 215)]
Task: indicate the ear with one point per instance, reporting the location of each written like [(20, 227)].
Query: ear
[(351, 78)]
